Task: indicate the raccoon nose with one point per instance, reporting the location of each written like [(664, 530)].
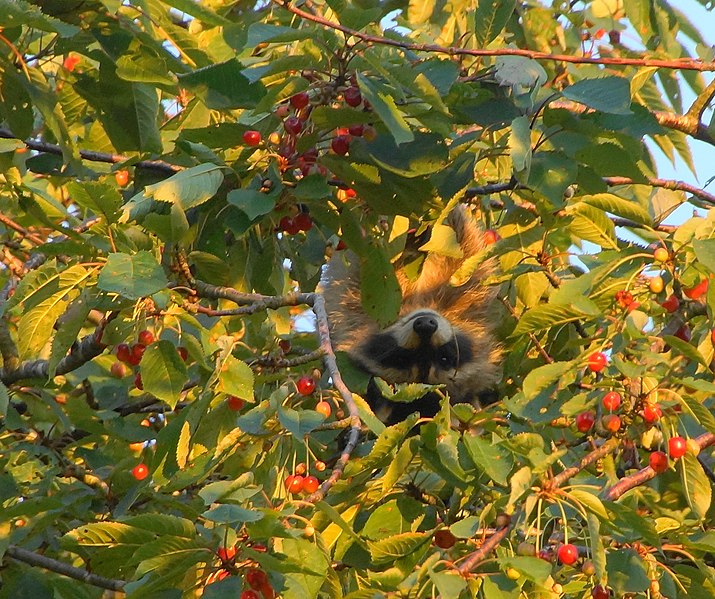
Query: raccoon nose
[(424, 326)]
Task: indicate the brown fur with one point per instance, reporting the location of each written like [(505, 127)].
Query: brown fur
[(464, 308)]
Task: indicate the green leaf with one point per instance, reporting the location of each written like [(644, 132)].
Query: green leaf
[(397, 546), (424, 155), (698, 491), (251, 202), (163, 372), (106, 534), (199, 11), (69, 328), (132, 277), (626, 572), (449, 584), (609, 202), (223, 86), (701, 413), (384, 106), (4, 399), (14, 13), (546, 316), (491, 17), (299, 423), (607, 94), (520, 484), (232, 514), (466, 528), (235, 377), (493, 459), (705, 252), (533, 568), (188, 188), (379, 289), (520, 143), (590, 501), (306, 571), (544, 376), (384, 447), (143, 67), (102, 199), (592, 224)]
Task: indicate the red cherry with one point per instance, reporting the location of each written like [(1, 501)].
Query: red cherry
[(597, 361), (293, 125), (140, 471), (251, 138), (226, 553), (294, 484), (145, 337), (624, 298), (124, 352), (444, 539), (612, 401), (249, 594), (138, 382), (324, 408), (491, 237), (118, 370), (567, 554), (342, 246), (356, 130), (183, 353), (310, 484), (288, 225), (256, 578), (611, 422), (303, 221), (684, 333), (677, 446), (216, 576), (651, 413), (353, 97), (600, 592), (71, 62), (545, 554), (671, 303), (299, 100), (585, 421), (306, 385), (235, 403), (340, 144), (698, 291), (658, 461), (121, 177), (137, 353)]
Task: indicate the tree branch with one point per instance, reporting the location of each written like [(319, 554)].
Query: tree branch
[(48, 148), (53, 565), (679, 63)]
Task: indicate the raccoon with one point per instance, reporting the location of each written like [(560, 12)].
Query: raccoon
[(443, 335)]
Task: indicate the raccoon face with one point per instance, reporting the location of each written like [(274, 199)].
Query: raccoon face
[(423, 347)]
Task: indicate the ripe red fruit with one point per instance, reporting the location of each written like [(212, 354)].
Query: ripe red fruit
[(585, 420), (118, 370), (140, 471), (310, 484), (303, 221), (491, 237), (597, 361), (251, 138), (183, 353), (677, 446), (658, 461), (611, 422), (145, 337), (545, 554), (299, 100), (138, 382), (324, 408), (249, 594), (306, 385), (684, 333), (651, 413), (71, 62), (567, 554), (600, 592), (294, 484), (356, 130), (256, 578), (698, 291), (342, 246), (612, 401), (226, 553), (340, 144), (444, 539), (288, 225), (293, 125), (624, 298), (353, 97), (121, 177), (137, 353), (234, 403), (671, 303), (124, 352)]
